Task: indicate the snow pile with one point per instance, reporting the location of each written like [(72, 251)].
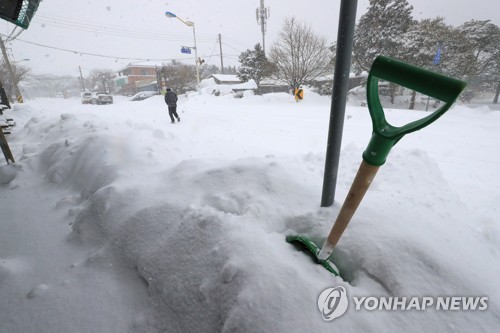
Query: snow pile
[(117, 221), (210, 87)]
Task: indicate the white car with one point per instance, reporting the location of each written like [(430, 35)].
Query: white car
[(143, 95), (86, 97), (101, 98)]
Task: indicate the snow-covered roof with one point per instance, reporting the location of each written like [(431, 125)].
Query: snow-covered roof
[(249, 85), (210, 85), (143, 64), (225, 78)]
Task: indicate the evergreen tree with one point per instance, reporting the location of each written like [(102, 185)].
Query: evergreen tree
[(254, 65), (230, 70), (378, 31), (420, 44), (471, 53), (482, 53)]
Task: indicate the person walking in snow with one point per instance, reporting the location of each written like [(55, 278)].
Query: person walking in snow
[(171, 100)]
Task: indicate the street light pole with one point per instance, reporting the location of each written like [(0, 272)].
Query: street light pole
[(197, 60), (189, 24)]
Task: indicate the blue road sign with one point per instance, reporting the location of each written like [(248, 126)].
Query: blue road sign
[(186, 50), (437, 57)]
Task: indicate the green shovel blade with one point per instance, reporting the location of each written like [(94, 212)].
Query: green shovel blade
[(314, 250)]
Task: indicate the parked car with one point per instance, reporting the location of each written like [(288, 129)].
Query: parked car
[(86, 97), (101, 98), (143, 95)]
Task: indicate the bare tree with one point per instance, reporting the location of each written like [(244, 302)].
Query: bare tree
[(101, 80), (21, 73), (180, 77), (299, 54)]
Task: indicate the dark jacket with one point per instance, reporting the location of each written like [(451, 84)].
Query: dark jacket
[(171, 98)]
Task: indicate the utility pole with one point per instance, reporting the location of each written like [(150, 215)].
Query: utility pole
[(263, 14), (221, 59), (11, 72), (82, 85)]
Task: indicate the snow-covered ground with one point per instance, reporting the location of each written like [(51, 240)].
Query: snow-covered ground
[(115, 220)]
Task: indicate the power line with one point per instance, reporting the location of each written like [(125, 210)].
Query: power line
[(120, 31), (120, 57), (77, 22), (236, 42), (232, 47), (137, 34), (114, 30), (99, 55), (212, 52), (10, 38)]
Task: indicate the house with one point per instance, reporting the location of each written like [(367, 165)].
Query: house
[(268, 85), (137, 77), (225, 79), (324, 85), (236, 85), (220, 84)]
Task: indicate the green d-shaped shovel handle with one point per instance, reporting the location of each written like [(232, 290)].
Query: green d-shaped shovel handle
[(385, 136)]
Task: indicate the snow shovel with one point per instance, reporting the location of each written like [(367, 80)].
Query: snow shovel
[(384, 137)]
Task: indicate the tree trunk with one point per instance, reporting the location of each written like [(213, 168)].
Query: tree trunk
[(412, 100), (495, 100), (392, 91)]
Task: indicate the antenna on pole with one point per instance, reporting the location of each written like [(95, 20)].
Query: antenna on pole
[(262, 14)]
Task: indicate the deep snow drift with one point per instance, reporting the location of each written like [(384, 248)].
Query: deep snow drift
[(114, 220)]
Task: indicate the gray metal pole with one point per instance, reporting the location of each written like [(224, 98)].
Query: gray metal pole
[(262, 17), (197, 59), (263, 24), (345, 37)]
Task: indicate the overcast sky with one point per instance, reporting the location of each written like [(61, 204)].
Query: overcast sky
[(140, 30)]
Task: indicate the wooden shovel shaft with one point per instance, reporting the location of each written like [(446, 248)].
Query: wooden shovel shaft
[(364, 177), (5, 148)]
